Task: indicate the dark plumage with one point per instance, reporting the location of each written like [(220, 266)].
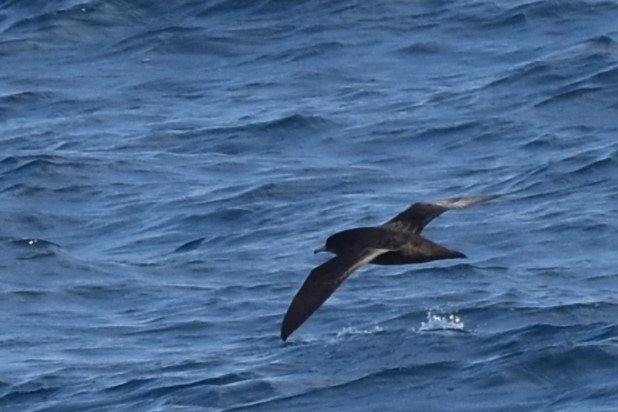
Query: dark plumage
[(396, 242)]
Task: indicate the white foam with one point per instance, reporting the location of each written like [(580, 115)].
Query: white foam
[(447, 322), (351, 330)]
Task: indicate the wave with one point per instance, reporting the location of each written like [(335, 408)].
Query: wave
[(269, 136), (34, 249), (285, 124), (593, 84), (422, 48), (42, 164), (120, 26)]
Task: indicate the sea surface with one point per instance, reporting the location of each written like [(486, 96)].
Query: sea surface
[(168, 167)]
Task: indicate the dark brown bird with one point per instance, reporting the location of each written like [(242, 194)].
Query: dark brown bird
[(397, 242)]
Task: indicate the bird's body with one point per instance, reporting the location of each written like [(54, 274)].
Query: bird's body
[(403, 247), (396, 242)]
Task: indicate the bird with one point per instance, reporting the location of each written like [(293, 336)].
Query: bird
[(396, 242)]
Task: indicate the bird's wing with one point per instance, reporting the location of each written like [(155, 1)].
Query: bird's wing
[(320, 284), (416, 217)]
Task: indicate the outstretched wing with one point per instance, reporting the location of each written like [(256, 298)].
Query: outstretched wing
[(416, 217), (320, 284)]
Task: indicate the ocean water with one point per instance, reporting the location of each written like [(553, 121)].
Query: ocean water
[(167, 168)]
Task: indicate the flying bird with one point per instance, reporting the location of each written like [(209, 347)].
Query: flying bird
[(396, 242)]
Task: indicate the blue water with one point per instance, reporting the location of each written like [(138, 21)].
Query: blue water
[(167, 168)]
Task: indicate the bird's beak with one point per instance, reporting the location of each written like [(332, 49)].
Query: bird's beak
[(320, 249)]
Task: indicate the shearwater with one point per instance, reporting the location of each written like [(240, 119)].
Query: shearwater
[(396, 242)]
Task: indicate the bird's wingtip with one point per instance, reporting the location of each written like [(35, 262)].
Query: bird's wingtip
[(285, 332), (463, 201)]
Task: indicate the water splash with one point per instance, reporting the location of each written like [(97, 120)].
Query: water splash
[(451, 322)]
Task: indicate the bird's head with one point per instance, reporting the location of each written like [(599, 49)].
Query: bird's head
[(341, 242), (322, 249)]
